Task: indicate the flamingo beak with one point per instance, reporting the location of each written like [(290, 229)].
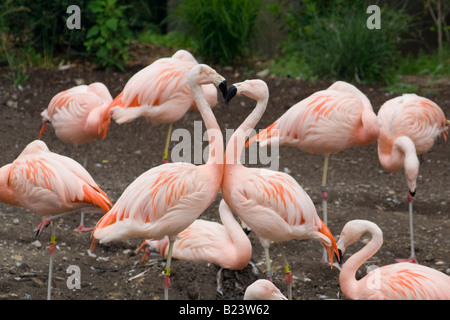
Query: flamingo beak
[(44, 126), (223, 88), (339, 258), (231, 93)]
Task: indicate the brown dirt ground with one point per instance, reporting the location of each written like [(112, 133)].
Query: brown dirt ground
[(358, 189)]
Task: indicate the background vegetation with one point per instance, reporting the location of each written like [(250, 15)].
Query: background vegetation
[(315, 39)]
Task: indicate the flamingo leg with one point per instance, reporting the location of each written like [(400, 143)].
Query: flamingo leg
[(412, 258), (268, 265), (324, 201), (287, 270), (219, 280), (81, 227), (166, 148), (167, 271), (51, 250)]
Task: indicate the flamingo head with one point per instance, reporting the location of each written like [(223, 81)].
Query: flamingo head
[(203, 74), (255, 89), (45, 124)]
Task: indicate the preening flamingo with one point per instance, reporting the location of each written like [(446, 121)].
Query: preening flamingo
[(263, 289), (326, 122), (50, 185), (398, 281), (165, 200), (225, 245), (272, 204), (75, 115), (160, 92), (409, 126)]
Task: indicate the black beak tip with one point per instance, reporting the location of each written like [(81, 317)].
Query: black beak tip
[(223, 88), (231, 93), (412, 193), (339, 259)]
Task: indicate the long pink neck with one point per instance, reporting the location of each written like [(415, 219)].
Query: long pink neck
[(237, 141), (347, 278), (233, 228), (403, 150), (7, 194), (215, 137)]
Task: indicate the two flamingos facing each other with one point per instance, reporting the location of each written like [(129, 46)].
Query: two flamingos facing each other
[(75, 115), (409, 126), (272, 204), (167, 199), (225, 245), (50, 185), (398, 281), (160, 93), (325, 123)]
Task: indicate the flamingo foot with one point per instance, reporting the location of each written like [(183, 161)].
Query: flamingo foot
[(410, 260), (42, 225), (81, 228)]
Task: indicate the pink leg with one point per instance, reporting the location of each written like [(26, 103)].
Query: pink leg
[(412, 258)]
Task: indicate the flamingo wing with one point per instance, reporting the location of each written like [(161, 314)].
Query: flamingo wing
[(280, 199), (323, 123), (203, 240), (416, 117), (48, 183), (404, 281), (162, 201), (68, 111)]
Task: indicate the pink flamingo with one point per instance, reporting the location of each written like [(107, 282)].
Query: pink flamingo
[(50, 185), (75, 115), (398, 281), (272, 204), (160, 93), (326, 122), (409, 126), (263, 289), (225, 245), (165, 200)]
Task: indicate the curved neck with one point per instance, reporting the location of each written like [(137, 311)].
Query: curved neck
[(95, 118), (233, 228), (347, 278), (394, 159), (215, 137), (237, 140), (240, 240), (7, 194), (370, 129)]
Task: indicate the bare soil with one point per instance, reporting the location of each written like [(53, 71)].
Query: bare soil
[(358, 189)]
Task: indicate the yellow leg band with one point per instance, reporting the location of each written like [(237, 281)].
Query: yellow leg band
[(287, 269), (167, 272), (52, 239)]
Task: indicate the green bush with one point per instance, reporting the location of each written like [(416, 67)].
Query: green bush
[(221, 30), (108, 37), (333, 39)]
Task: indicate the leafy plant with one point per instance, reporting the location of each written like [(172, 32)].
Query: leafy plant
[(333, 39), (108, 38), (221, 30)]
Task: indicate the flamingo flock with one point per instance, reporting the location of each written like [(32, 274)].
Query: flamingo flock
[(163, 206)]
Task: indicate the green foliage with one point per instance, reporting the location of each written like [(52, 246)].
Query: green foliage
[(221, 30), (108, 37), (435, 64), (333, 39)]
